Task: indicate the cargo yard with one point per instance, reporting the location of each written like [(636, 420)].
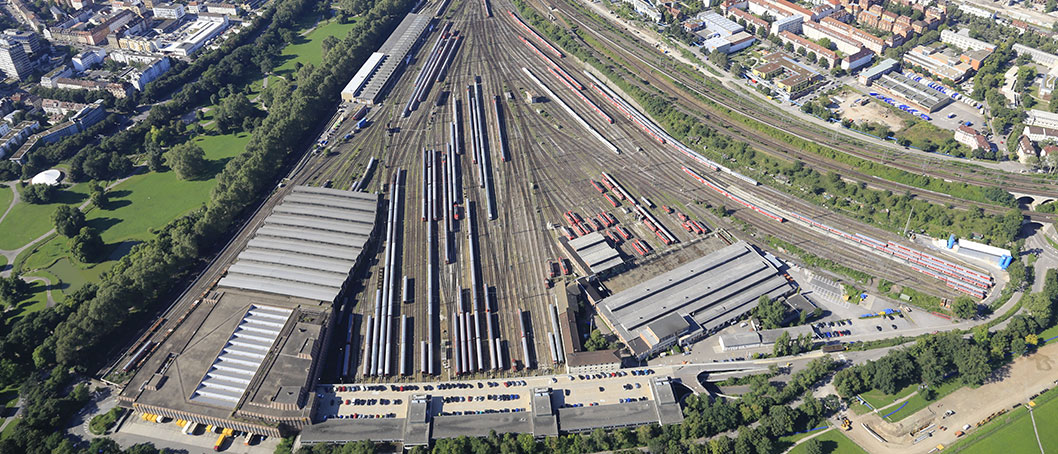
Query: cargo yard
[(506, 174)]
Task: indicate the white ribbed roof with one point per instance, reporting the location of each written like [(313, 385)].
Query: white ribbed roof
[(307, 246)]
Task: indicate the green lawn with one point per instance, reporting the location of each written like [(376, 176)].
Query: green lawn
[(27, 222), (6, 194), (309, 48), (878, 399), (1049, 333), (833, 442), (917, 402), (137, 206)]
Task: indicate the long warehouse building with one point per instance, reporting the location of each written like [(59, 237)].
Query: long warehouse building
[(375, 76), (247, 356), (693, 300)]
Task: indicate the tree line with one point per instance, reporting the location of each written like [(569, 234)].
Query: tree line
[(80, 336)]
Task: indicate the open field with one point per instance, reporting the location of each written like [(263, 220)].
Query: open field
[(878, 399), (872, 112), (27, 221), (308, 49), (833, 442), (137, 206)]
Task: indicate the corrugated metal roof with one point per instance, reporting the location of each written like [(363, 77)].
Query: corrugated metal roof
[(296, 261), (316, 236), (306, 247), (360, 227)]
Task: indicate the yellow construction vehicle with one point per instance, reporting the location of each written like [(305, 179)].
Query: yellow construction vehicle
[(846, 424)]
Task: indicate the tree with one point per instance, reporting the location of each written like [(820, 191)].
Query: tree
[(155, 161), (596, 341), (188, 160), (38, 194), (782, 344), (770, 312), (12, 290), (813, 446), (99, 195), (68, 220), (87, 245), (232, 111), (965, 307)]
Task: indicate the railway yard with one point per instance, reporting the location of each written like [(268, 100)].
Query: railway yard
[(490, 152)]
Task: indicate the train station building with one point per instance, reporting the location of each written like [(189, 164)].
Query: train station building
[(247, 355)]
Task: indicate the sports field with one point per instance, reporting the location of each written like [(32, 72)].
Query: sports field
[(1013, 433)]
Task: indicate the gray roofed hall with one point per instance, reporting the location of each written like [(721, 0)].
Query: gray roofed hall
[(307, 246)]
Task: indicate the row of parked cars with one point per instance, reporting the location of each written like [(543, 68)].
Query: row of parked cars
[(370, 401), (363, 416), (481, 412), (632, 399), (829, 334)]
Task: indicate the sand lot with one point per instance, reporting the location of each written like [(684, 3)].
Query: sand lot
[(872, 112), (1016, 383)]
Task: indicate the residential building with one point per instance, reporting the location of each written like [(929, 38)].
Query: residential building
[(1038, 56), (876, 71), (976, 12), (1041, 118), (139, 44), (173, 11), (720, 34), (938, 63), (971, 138), (791, 76), (16, 136), (79, 30), (962, 40), (13, 60), (1039, 133), (780, 8), (644, 7), (30, 41), (49, 80), (140, 77), (821, 52), (87, 59), (57, 108), (224, 8), (91, 114), (791, 23), (119, 90), (1026, 150), (758, 23), (857, 60)]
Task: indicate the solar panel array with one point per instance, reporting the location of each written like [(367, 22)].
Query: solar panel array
[(307, 246)]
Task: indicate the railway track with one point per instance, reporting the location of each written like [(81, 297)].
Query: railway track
[(552, 160), (633, 52)]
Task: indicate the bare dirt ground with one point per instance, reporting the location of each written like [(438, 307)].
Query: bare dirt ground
[(1011, 385), (872, 112)]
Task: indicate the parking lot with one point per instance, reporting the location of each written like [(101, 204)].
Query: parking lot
[(484, 396)]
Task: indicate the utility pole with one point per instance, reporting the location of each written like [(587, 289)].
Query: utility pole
[(906, 224)]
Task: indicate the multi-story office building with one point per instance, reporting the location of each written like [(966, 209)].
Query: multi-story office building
[(13, 60)]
